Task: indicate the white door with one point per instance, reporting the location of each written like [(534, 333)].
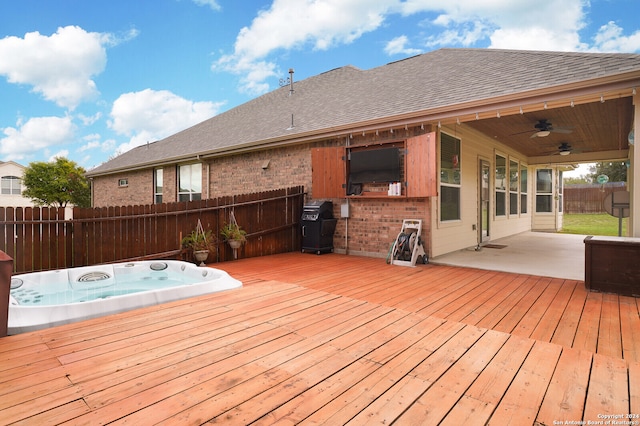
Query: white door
[(484, 201)]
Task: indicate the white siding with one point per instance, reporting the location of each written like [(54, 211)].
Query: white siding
[(463, 234), (10, 168)]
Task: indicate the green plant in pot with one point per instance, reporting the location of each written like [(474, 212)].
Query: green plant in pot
[(233, 234), (201, 242)]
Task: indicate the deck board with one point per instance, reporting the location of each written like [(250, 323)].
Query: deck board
[(567, 392), (483, 396), (338, 339)]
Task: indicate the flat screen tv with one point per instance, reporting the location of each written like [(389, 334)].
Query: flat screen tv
[(375, 165)]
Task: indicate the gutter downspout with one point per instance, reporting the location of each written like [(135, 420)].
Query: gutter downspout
[(346, 219)]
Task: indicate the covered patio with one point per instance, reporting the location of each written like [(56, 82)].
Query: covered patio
[(536, 253), (337, 339)]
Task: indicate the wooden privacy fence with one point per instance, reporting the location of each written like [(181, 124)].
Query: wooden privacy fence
[(588, 198), (41, 239)]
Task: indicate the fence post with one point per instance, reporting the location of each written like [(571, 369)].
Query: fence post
[(6, 269)]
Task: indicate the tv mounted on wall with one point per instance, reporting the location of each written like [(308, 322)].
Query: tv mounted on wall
[(375, 165)]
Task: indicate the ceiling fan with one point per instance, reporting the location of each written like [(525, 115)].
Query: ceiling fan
[(563, 149), (544, 128)]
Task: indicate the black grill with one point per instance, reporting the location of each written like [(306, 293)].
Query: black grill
[(318, 226)]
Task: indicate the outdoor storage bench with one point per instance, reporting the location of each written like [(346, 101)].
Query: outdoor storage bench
[(612, 265)]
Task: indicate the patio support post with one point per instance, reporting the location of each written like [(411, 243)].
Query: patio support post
[(6, 269), (633, 174)]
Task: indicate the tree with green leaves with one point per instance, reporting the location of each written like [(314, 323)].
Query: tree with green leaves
[(616, 170), (57, 183)]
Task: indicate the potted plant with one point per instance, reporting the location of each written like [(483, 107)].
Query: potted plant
[(233, 234), (201, 242)]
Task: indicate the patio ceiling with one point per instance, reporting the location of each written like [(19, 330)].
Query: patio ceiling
[(598, 131)]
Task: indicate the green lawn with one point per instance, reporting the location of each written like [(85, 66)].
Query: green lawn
[(592, 224)]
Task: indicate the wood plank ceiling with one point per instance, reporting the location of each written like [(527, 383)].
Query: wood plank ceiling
[(591, 128)]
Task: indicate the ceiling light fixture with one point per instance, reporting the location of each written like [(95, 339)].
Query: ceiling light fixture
[(543, 133), (565, 152)]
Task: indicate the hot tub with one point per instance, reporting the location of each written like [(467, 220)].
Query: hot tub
[(45, 299)]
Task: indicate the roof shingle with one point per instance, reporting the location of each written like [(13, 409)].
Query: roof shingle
[(345, 96)]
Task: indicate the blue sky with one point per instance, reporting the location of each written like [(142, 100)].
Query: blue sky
[(88, 79)]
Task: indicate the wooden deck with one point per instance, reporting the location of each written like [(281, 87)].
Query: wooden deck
[(338, 339)]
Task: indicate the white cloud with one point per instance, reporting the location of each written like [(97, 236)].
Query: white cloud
[(466, 34), (150, 115), (399, 46), (64, 153), (89, 120), (60, 67), (295, 24), (92, 141), (610, 38), (323, 24), (39, 133), (525, 24), (213, 4)]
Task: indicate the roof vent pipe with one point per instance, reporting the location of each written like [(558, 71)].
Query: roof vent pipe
[(291, 81)]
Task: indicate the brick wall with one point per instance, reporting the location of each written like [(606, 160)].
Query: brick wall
[(374, 224), (169, 184), (106, 191), (262, 171)]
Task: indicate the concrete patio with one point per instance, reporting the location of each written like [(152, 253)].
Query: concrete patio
[(536, 253)]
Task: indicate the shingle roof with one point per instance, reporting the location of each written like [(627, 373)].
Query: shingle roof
[(345, 96)]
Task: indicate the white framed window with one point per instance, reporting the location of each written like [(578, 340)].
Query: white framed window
[(122, 183), (157, 185), (501, 185), (10, 185), (523, 188), (514, 187), (560, 190), (190, 182), (544, 191), (450, 178)]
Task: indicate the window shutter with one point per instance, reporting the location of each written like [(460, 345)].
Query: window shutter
[(421, 166), (328, 172)]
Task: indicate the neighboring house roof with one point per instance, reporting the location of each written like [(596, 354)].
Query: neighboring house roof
[(349, 98), (12, 165)]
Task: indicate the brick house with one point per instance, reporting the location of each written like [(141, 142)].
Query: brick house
[(477, 138)]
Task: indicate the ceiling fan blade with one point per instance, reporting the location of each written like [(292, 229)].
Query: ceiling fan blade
[(521, 133), (561, 130)]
